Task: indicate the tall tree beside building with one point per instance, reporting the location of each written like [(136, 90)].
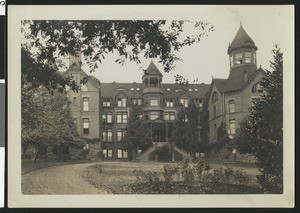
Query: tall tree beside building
[(46, 120), (261, 133), (137, 132), (185, 131)]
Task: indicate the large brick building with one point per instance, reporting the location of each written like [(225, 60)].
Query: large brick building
[(102, 110)]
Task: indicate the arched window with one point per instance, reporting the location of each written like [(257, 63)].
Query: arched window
[(215, 111), (257, 88), (231, 106), (85, 104), (214, 97), (153, 82)]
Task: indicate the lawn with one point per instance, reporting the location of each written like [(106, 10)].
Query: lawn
[(119, 178)]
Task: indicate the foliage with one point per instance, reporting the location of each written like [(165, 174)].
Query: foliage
[(48, 41), (185, 132), (46, 119), (137, 132), (147, 181), (261, 133), (186, 171), (99, 166)]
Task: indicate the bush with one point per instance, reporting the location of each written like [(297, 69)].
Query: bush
[(241, 177), (185, 171), (148, 182), (99, 166)]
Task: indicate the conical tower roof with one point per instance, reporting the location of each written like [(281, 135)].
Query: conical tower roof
[(241, 40), (152, 70)]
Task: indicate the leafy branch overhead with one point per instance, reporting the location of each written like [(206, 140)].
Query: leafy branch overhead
[(48, 41)]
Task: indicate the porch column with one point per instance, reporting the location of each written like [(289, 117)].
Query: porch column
[(173, 153)]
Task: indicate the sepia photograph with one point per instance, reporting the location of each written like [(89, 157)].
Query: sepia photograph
[(159, 106)]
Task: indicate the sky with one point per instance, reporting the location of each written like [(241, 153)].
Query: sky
[(266, 25)]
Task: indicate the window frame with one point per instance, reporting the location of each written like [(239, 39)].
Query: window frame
[(232, 127), (122, 117), (85, 104), (231, 106), (86, 130)]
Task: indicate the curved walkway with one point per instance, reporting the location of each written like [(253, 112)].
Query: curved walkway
[(64, 179)]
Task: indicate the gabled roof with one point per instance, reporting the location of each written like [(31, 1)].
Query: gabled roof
[(236, 80), (152, 70), (77, 69), (241, 39)]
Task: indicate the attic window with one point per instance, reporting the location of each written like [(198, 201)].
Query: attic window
[(196, 90), (131, 88), (178, 90), (248, 58), (120, 89), (168, 89), (138, 89), (190, 90)]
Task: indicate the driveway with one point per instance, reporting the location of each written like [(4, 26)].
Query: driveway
[(63, 179)]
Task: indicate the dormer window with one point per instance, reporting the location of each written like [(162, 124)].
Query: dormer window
[(190, 90), (131, 88), (138, 89), (196, 90), (257, 88), (238, 58), (168, 89)]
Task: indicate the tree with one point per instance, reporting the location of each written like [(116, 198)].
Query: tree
[(261, 133), (47, 41), (138, 131), (185, 131), (46, 119)]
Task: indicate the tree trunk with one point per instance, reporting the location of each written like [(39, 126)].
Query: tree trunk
[(37, 154)]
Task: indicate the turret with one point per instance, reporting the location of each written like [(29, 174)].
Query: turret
[(242, 51)]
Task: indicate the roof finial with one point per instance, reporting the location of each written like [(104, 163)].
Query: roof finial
[(259, 66), (240, 23)]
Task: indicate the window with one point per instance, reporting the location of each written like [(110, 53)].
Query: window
[(198, 102), (214, 97), (153, 102), (131, 88), (169, 103), (232, 126), (86, 124), (139, 102), (138, 89), (122, 153), (248, 58), (254, 57), (121, 134), (170, 116), (185, 119), (122, 117), (190, 90), (154, 115), (85, 104), (215, 131), (231, 61), (106, 102), (121, 102), (107, 135), (254, 100), (231, 106), (215, 112), (196, 90), (107, 117), (257, 88), (238, 58), (109, 153), (74, 100), (184, 102), (136, 101), (104, 152), (168, 89)]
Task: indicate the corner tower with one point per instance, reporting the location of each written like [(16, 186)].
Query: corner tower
[(242, 51)]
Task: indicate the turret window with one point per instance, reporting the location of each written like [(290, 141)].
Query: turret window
[(238, 58), (231, 61), (257, 88), (248, 58), (254, 58), (153, 102)]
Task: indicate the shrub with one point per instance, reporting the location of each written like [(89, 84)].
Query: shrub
[(147, 181), (99, 166), (241, 177), (185, 171), (201, 168)]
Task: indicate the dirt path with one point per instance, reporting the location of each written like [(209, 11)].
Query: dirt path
[(65, 179)]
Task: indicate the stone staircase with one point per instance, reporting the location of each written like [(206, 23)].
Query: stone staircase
[(144, 156)]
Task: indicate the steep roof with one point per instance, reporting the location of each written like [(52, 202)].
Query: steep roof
[(241, 39), (236, 80), (152, 70), (77, 69)]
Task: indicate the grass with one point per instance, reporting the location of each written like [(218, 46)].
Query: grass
[(118, 178)]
